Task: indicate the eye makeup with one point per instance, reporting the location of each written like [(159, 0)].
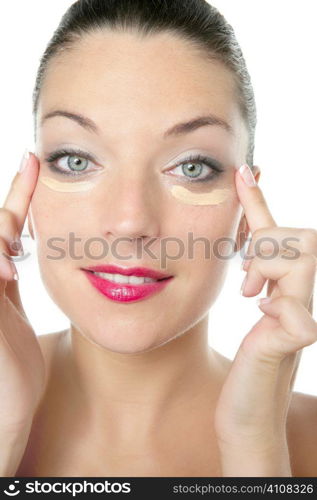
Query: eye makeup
[(65, 187), (201, 191), (214, 168), (214, 197), (190, 188), (61, 153)]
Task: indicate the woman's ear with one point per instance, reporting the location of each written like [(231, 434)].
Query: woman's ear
[(243, 229)]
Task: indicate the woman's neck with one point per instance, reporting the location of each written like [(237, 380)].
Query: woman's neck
[(130, 396)]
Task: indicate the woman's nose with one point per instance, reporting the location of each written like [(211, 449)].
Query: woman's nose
[(132, 210)]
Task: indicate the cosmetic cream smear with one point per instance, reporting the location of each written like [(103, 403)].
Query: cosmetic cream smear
[(179, 192), (66, 187), (213, 198)]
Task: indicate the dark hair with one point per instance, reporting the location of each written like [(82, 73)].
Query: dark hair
[(194, 20)]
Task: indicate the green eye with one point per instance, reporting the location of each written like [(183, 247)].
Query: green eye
[(71, 162), (192, 169), (198, 168), (77, 163)]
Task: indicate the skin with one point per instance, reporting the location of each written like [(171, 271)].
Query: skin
[(121, 390), (137, 202)]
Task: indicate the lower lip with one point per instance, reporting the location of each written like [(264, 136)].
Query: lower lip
[(120, 292)]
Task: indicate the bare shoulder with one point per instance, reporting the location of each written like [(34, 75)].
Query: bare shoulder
[(302, 434)]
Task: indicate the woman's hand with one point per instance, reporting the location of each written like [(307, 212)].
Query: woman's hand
[(250, 418), (22, 370)]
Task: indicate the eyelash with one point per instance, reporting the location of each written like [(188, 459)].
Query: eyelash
[(56, 155), (213, 165)]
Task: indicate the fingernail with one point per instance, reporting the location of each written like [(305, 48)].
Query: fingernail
[(265, 300), (247, 175), (243, 285), (25, 158)]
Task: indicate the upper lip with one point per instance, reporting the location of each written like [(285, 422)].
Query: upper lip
[(129, 271)]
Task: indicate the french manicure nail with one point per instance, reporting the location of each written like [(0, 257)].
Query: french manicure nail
[(247, 175), (24, 160)]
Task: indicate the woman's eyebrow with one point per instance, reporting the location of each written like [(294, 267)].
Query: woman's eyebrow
[(176, 130), (83, 121), (195, 123)]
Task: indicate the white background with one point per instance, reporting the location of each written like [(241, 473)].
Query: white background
[(279, 40)]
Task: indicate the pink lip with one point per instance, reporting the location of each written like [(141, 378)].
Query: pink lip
[(122, 292)]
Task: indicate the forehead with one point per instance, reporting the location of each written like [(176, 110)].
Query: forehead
[(110, 70)]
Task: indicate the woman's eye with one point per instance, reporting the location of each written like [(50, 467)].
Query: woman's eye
[(75, 163), (69, 163), (198, 169)]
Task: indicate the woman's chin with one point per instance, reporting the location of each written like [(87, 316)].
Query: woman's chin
[(124, 340)]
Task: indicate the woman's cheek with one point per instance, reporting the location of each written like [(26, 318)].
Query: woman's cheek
[(211, 248), (51, 220), (215, 226), (40, 215)]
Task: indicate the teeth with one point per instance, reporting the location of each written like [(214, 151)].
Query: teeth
[(120, 278), (148, 280), (136, 280)]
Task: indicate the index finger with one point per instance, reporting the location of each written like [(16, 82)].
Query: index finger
[(252, 200), (21, 190)]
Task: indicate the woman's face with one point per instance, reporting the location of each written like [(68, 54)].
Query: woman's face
[(119, 207)]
